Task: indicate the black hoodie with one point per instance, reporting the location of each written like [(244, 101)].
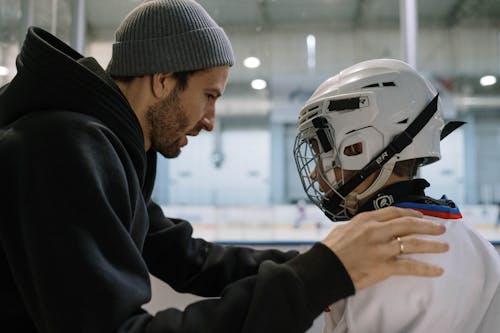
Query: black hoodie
[(79, 234)]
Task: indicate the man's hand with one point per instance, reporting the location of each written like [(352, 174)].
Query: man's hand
[(369, 247)]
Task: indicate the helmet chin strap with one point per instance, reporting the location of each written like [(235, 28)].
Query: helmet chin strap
[(380, 181), (353, 199)]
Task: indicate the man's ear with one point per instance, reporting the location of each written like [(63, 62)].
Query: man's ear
[(162, 84)]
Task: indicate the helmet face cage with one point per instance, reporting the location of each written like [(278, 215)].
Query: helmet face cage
[(306, 161), (311, 158)]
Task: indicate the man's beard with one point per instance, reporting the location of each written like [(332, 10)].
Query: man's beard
[(168, 124)]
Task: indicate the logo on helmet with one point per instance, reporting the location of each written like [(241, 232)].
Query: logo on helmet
[(382, 158), (383, 201)]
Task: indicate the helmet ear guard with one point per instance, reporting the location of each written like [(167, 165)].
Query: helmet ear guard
[(350, 161)]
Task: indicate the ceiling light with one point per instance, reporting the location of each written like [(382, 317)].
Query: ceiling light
[(259, 84), (4, 71), (311, 52), (488, 80), (251, 62)]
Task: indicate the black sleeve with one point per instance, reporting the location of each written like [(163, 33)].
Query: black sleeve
[(194, 265), (71, 236), (279, 298)]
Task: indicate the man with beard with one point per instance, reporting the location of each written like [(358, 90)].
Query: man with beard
[(79, 232)]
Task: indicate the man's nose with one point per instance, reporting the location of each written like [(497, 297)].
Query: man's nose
[(207, 123), (208, 120)]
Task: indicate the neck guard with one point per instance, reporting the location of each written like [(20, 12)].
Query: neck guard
[(405, 191)]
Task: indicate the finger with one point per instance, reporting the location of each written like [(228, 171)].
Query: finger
[(410, 245), (409, 266), (387, 214), (404, 226)]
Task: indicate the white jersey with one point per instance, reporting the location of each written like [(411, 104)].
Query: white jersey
[(465, 299)]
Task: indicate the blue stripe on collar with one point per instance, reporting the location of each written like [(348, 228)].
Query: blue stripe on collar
[(441, 211)]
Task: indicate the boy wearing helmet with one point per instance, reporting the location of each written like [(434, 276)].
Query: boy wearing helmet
[(362, 136)]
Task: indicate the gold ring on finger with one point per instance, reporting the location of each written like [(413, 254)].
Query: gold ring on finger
[(401, 245)]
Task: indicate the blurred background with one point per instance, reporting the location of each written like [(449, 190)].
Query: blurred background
[(284, 49)]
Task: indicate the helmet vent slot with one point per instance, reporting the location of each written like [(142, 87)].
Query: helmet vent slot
[(389, 84), (404, 121), (373, 85), (311, 115)]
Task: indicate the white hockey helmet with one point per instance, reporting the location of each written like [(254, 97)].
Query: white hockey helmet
[(370, 103)]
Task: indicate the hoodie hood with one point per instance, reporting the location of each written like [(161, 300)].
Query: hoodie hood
[(53, 76)]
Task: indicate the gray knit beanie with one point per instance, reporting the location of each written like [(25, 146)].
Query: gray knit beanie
[(162, 36)]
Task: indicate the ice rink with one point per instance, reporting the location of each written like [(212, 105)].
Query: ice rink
[(287, 225)]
